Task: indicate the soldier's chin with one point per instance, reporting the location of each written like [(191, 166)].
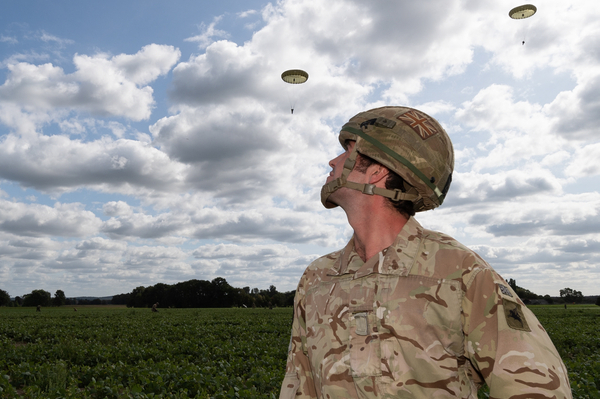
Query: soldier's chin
[(329, 204)]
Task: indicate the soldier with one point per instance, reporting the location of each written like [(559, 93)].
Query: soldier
[(402, 311)]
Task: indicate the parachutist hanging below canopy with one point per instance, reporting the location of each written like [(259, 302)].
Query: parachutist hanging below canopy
[(294, 76), (522, 12)]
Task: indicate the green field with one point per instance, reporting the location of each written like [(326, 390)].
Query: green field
[(575, 332), (204, 353), (120, 353)]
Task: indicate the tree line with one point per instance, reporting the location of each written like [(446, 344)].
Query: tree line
[(35, 298), (204, 294), (219, 294), (567, 295), (188, 294)]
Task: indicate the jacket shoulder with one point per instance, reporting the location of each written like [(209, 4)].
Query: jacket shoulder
[(442, 256)]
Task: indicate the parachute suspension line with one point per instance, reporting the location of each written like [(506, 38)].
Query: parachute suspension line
[(525, 34), (291, 101)]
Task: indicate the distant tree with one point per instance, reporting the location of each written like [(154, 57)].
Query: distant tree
[(571, 295), (59, 298), (4, 298), (222, 295), (120, 299), (523, 293), (136, 299), (158, 293), (549, 299), (598, 301), (37, 297), (244, 298), (190, 294), (289, 298)]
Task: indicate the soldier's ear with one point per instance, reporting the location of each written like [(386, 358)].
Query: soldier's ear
[(377, 173)]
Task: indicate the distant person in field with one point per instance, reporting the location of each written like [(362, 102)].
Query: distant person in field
[(39, 308), (154, 307), (402, 311)]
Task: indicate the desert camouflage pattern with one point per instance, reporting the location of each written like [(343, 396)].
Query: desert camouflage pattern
[(425, 318), (416, 137)]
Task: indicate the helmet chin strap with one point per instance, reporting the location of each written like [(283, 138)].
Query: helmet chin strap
[(369, 189)]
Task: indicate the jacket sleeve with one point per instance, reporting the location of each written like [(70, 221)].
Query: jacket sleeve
[(298, 382), (506, 344)]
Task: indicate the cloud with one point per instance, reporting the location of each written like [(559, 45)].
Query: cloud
[(403, 35), (143, 226), (8, 39), (19, 248), (519, 184), (224, 71), (247, 13), (276, 263), (65, 220), (58, 164), (46, 37), (245, 253), (235, 225), (278, 225), (100, 244), (576, 113), (208, 32), (117, 208), (101, 85), (585, 162), (559, 216)]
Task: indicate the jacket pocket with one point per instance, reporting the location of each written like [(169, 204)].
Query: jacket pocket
[(365, 353)]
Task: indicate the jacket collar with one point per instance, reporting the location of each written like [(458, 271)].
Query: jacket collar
[(397, 259)]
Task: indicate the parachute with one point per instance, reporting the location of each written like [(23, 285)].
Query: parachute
[(294, 76), (522, 12)]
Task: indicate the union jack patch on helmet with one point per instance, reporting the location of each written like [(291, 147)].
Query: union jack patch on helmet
[(419, 123)]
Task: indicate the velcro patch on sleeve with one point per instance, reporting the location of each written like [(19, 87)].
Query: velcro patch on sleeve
[(505, 291), (514, 315)]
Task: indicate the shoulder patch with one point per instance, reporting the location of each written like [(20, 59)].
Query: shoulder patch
[(514, 315), (504, 289)]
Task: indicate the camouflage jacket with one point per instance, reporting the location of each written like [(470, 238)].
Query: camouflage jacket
[(425, 318)]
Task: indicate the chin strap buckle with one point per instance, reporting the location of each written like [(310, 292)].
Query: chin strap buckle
[(368, 189)]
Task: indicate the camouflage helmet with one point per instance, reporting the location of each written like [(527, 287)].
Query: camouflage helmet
[(406, 141)]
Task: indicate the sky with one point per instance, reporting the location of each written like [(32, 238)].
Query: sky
[(146, 142)]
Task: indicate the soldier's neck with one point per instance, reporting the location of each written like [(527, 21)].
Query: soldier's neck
[(375, 229)]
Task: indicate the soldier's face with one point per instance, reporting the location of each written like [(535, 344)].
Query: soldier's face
[(337, 163)]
